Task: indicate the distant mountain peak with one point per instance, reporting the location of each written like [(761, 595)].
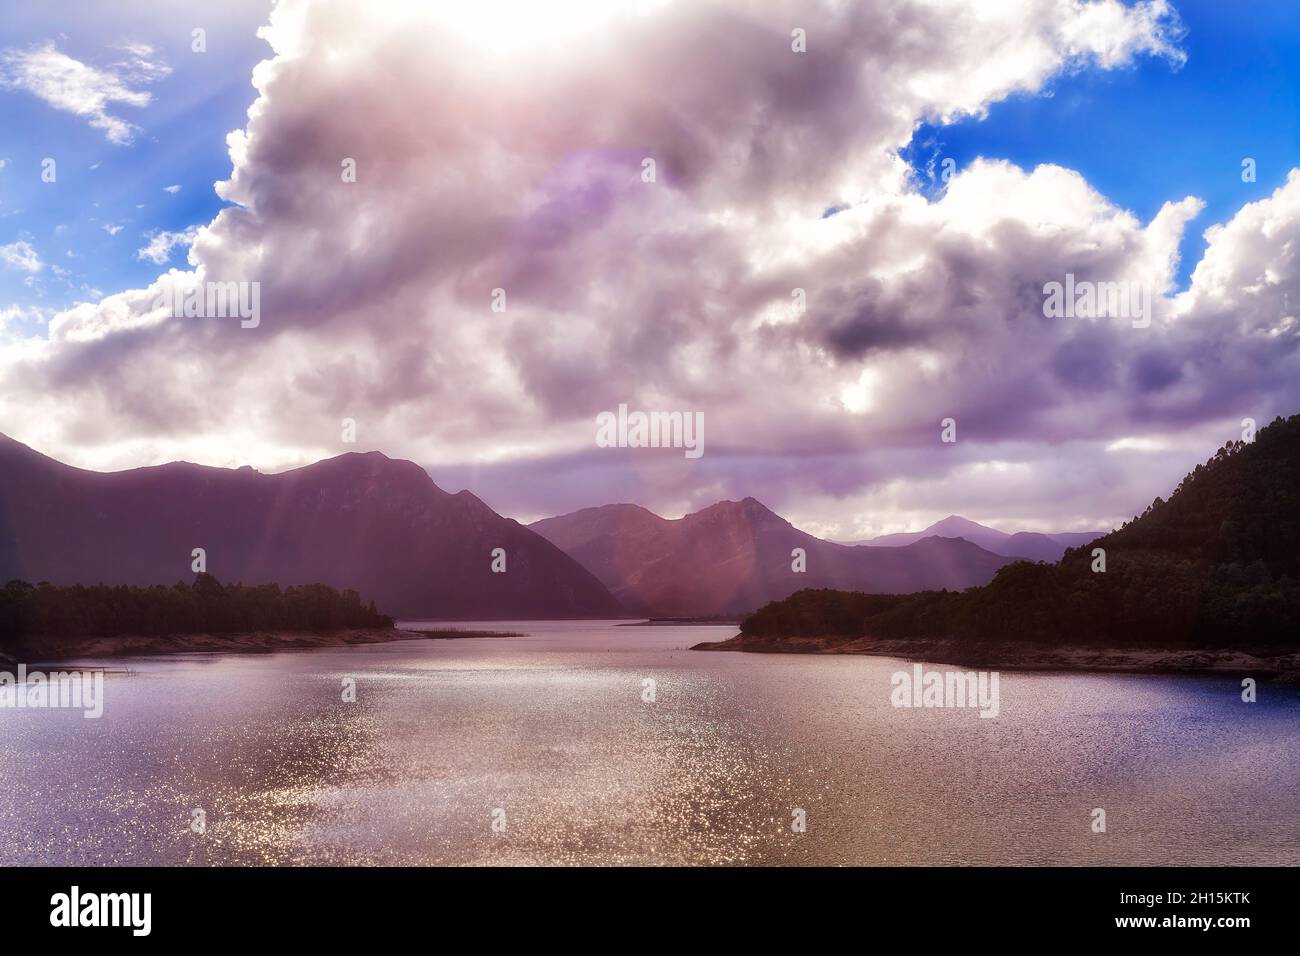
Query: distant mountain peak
[(953, 521), (1027, 545), (360, 520), (734, 556), (748, 503), (747, 509)]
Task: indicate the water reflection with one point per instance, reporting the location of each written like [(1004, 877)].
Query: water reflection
[(552, 731)]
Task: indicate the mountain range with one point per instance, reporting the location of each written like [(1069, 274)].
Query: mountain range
[(1029, 545), (382, 527), (1215, 566), (360, 521), (737, 555)]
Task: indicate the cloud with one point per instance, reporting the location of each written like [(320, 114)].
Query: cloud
[(74, 87), (13, 315), (495, 168), (162, 243), (172, 189), (112, 228), (20, 255)]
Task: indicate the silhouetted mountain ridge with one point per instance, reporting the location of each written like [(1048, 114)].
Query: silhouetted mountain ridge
[(1217, 565), (1029, 545), (362, 521), (734, 556)]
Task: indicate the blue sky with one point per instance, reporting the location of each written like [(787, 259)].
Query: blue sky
[(1143, 135), (1156, 131), (103, 185)]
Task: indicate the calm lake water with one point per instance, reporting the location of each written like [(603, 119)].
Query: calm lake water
[(551, 730)]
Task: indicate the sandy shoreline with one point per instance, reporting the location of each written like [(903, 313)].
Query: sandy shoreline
[(1265, 663), (682, 622), (55, 649)]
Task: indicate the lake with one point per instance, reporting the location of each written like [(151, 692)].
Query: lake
[(544, 749)]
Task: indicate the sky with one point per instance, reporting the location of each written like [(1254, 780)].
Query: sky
[(920, 169)]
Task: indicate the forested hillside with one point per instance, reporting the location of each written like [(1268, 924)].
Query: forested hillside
[(1218, 564), (204, 607)]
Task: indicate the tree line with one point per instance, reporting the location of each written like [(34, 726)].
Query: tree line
[(1216, 565), (204, 607)]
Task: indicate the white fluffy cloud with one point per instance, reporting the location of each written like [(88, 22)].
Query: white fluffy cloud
[(163, 243), (20, 255), (491, 154), (68, 84)]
